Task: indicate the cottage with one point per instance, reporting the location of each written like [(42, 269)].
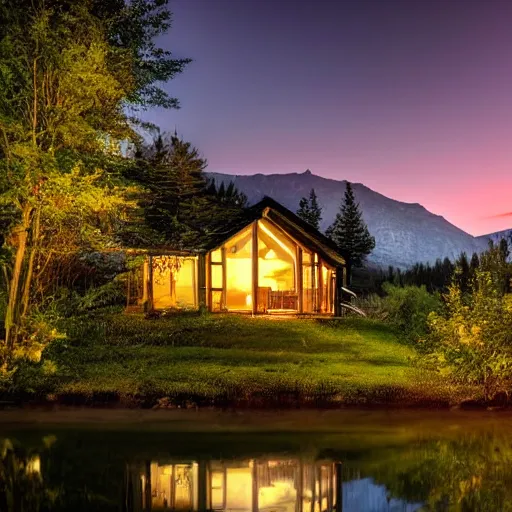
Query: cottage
[(269, 261)]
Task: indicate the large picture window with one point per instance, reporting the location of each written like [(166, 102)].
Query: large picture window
[(239, 271), (174, 282), (277, 274)]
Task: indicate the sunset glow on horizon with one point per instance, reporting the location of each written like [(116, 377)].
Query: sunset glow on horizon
[(412, 99)]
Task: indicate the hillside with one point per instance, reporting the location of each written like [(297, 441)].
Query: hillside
[(496, 237), (405, 233)]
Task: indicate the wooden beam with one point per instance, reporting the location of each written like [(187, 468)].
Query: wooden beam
[(202, 486), (255, 267), (313, 283), (255, 487), (201, 280), (320, 286), (194, 283), (209, 281), (339, 487), (300, 280), (338, 292), (151, 302), (224, 279)]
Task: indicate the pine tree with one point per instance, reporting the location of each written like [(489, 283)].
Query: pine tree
[(176, 202), (309, 210), (350, 233), (462, 273), (474, 265)]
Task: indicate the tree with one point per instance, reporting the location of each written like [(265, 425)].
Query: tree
[(309, 210), (350, 233), (227, 203), (172, 172), (474, 265), (180, 204), (462, 273), (68, 70)]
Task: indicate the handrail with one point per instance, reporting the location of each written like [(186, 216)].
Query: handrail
[(353, 308)]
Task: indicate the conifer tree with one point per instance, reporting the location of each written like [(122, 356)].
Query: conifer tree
[(309, 210), (172, 172), (462, 273), (350, 233), (474, 265)]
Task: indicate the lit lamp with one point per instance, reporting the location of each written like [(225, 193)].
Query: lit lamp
[(248, 300)]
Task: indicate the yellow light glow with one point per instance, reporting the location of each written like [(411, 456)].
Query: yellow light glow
[(276, 240), (34, 465), (248, 300)]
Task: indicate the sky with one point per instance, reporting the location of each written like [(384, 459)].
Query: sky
[(412, 98)]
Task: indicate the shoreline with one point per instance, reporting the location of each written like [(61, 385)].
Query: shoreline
[(268, 421)]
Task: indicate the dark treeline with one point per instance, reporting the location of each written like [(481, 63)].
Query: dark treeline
[(435, 278)]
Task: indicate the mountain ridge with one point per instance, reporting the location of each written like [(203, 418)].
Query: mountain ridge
[(405, 233)]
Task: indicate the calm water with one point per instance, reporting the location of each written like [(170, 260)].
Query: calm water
[(288, 462)]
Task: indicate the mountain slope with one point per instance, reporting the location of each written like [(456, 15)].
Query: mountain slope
[(405, 233), (496, 237)]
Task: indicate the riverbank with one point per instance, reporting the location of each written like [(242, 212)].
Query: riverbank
[(232, 361)]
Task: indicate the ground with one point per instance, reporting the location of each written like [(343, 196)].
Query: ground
[(240, 361)]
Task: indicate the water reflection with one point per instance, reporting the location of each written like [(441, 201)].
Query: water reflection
[(284, 485), (139, 472)]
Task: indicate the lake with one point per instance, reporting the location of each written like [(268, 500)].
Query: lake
[(245, 461)]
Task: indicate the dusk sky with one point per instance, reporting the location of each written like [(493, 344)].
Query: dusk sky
[(412, 98)]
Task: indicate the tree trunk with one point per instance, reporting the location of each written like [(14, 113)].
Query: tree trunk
[(12, 310), (30, 270)]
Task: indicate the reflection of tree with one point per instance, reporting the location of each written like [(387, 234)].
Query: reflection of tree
[(21, 486), (470, 474)]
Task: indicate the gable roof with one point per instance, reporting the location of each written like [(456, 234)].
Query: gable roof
[(297, 228)]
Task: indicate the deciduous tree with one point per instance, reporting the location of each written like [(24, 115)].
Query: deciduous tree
[(68, 72)]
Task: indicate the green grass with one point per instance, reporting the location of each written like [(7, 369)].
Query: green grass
[(238, 360)]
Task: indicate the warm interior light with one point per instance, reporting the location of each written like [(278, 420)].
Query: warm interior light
[(248, 300), (34, 464)]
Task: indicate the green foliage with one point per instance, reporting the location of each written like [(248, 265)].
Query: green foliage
[(309, 210), (180, 205), (408, 309), (68, 70), (349, 231), (228, 196), (495, 262), (462, 274), (472, 342)]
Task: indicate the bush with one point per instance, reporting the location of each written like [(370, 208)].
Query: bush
[(472, 342), (373, 305), (408, 309)]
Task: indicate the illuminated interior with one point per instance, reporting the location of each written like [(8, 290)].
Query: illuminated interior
[(287, 277), (174, 282), (277, 262), (243, 485), (239, 271), (171, 486)]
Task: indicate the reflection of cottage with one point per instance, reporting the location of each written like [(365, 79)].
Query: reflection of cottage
[(244, 486), (270, 261)]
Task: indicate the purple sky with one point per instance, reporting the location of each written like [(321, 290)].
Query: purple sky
[(413, 98)]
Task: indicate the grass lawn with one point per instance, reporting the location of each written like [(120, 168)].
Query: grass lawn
[(236, 360)]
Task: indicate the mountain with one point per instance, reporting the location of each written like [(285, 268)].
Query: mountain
[(405, 233), (496, 237)]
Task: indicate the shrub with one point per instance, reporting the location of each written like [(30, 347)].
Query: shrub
[(408, 309), (373, 305), (472, 342)]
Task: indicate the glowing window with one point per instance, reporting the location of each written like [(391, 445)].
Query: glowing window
[(239, 271)]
